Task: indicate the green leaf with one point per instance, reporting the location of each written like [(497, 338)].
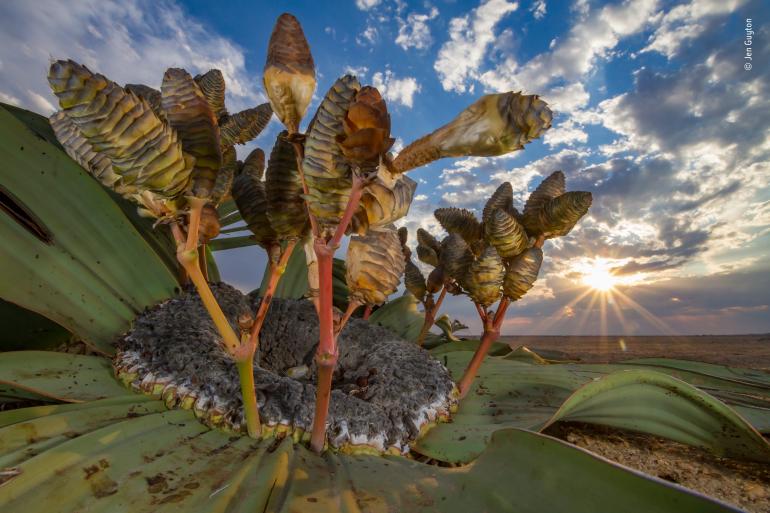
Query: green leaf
[(48, 426), (68, 251), (158, 237), (400, 316), (509, 392), (150, 461), (751, 377), (340, 285), (293, 283), (58, 376), (224, 243), (24, 329), (652, 402), (211, 265), (497, 348)]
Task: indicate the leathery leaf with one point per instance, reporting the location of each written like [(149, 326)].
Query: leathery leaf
[(652, 402), (512, 392), (103, 458), (58, 376), (71, 256)]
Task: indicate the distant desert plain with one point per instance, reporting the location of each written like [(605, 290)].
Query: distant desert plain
[(749, 351)]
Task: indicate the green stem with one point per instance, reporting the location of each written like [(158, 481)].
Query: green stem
[(250, 411)]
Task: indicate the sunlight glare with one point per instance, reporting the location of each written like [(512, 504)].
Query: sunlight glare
[(599, 278)]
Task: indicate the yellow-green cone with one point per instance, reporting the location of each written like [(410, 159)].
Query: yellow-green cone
[(522, 273)]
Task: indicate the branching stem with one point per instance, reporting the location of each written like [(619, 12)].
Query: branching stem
[(352, 307), (491, 334), (242, 353), (431, 309), (326, 355), (276, 271)]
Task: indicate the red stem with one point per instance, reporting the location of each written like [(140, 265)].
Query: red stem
[(491, 334), (276, 271), (355, 198), (482, 312), (326, 355), (431, 309), (367, 312), (352, 306)]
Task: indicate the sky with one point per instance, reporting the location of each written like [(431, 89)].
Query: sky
[(658, 112)]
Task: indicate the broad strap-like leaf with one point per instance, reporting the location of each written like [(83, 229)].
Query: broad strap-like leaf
[(91, 274), (59, 376), (112, 453), (400, 316), (652, 402)]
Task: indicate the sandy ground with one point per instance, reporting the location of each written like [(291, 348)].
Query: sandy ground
[(743, 484), (750, 351), (740, 483)]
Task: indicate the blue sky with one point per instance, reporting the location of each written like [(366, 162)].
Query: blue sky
[(655, 115)]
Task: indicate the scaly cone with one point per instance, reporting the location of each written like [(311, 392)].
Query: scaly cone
[(212, 84), (144, 151), (374, 266), (495, 125), (327, 173), (484, 278), (386, 199), (289, 76), (367, 128), (190, 115)]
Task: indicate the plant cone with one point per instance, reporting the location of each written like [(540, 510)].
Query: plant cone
[(289, 76), (494, 125)]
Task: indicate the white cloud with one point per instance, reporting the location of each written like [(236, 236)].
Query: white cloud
[(565, 133), (357, 71), (398, 90), (128, 41), (538, 9), (415, 32), (469, 37), (7, 98), (685, 22), (568, 98), (39, 103), (368, 36), (575, 56), (366, 5)]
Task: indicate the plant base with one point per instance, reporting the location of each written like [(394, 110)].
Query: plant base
[(384, 392)]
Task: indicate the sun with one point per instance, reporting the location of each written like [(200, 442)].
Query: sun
[(599, 278)]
